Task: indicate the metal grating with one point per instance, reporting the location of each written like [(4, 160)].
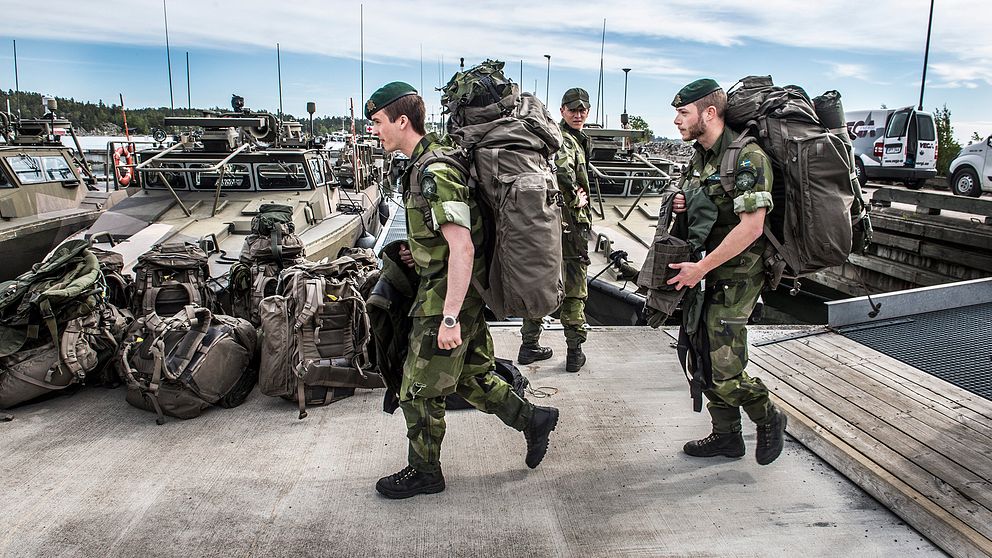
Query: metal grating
[(397, 227), (954, 345)]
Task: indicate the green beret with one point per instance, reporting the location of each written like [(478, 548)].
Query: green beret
[(386, 95), (694, 91), (574, 98)]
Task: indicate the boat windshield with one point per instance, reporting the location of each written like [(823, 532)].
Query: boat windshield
[(27, 169), (281, 176), (651, 187), (5, 182), (57, 168), (237, 176)]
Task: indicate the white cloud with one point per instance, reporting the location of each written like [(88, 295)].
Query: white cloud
[(396, 29)]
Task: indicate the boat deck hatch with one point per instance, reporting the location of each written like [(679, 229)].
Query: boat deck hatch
[(952, 345)]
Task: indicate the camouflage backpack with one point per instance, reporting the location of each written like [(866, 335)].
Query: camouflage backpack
[(818, 205), (271, 247), (508, 142), (183, 364), (170, 277), (56, 330), (120, 287), (315, 333)]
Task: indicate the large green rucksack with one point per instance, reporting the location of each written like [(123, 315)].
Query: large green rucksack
[(56, 328), (183, 364), (818, 206), (271, 247), (508, 142), (170, 277), (315, 332)]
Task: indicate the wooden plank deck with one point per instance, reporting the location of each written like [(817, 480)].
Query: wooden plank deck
[(921, 446)]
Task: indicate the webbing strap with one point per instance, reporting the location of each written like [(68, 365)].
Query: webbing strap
[(33, 381)]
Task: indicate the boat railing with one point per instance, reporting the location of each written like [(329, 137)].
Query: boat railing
[(643, 172)]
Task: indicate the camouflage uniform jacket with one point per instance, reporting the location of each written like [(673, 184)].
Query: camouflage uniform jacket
[(752, 191), (711, 214), (436, 193), (573, 176)]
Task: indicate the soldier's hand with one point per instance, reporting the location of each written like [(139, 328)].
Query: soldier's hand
[(582, 197), (449, 337), (690, 274), (406, 255), (678, 204)]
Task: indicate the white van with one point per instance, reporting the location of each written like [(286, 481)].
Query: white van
[(971, 172), (894, 144)]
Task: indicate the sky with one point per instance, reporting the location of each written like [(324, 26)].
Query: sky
[(872, 52)]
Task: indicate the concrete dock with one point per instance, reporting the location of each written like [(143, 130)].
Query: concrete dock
[(89, 475)]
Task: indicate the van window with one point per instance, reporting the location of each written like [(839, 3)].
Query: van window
[(897, 125), (924, 123)]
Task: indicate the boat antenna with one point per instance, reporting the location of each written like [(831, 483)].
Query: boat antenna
[(189, 102), (461, 63), (279, 72), (361, 47), (127, 135), (521, 72), (17, 83), (168, 56), (599, 90)]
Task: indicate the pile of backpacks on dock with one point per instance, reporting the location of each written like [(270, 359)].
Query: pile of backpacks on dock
[(297, 328)]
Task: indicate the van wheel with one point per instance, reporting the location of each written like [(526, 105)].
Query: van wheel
[(859, 168), (965, 183), (914, 184)]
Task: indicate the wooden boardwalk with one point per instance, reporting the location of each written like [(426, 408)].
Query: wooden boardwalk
[(921, 446)]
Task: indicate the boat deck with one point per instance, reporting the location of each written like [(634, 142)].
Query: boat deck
[(918, 444), (90, 475)]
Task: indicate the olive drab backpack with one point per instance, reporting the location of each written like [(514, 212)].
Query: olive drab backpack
[(508, 141), (183, 364), (170, 277), (56, 329), (817, 201), (315, 332), (120, 287), (270, 247)]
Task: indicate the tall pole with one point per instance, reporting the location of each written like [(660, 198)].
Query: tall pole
[(361, 46), (926, 56), (279, 71), (521, 74), (624, 119), (17, 83), (168, 56), (189, 97), (599, 92), (547, 83)]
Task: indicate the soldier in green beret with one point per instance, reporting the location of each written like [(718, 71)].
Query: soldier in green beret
[(573, 182), (450, 349), (725, 230)]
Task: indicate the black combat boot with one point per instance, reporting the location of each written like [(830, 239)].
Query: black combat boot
[(542, 422), (410, 482), (728, 445), (574, 359), (771, 437), (530, 353)]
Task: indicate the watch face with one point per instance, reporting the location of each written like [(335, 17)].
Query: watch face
[(449, 321)]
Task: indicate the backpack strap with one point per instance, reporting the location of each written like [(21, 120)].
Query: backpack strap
[(438, 155)]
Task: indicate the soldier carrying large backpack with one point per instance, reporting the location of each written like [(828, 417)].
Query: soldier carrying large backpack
[(450, 349)]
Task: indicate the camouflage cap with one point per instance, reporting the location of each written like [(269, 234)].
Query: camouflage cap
[(694, 91), (387, 94), (575, 97)]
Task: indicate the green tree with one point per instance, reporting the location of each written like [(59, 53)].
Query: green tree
[(638, 123), (947, 146), (975, 138)]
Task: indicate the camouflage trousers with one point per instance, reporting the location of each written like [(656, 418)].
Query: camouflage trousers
[(728, 305), (430, 374), (572, 312)]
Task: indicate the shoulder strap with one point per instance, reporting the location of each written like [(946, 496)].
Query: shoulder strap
[(728, 165), (438, 155)]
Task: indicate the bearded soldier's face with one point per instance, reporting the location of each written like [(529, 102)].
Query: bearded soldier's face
[(690, 122)]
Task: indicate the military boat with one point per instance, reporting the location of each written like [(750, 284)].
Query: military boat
[(47, 192), (205, 187), (626, 186)]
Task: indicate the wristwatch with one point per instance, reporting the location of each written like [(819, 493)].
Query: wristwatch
[(449, 321)]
